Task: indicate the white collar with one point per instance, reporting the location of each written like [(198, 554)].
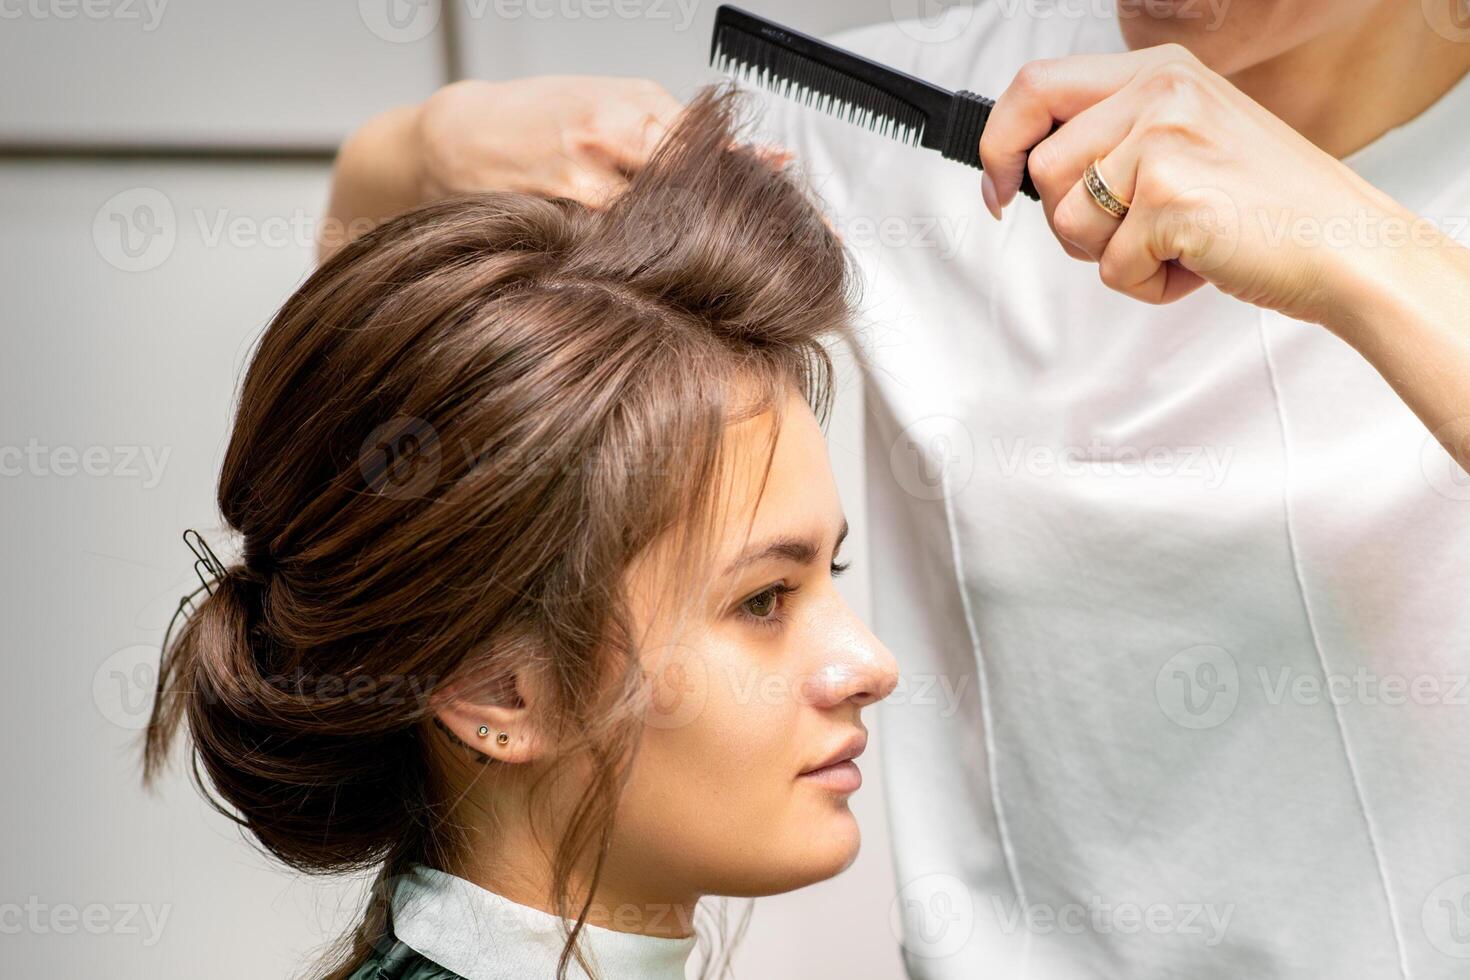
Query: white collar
[(484, 936)]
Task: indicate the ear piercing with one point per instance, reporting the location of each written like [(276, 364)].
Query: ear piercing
[(503, 738)]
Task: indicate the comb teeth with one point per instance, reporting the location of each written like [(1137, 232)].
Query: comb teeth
[(778, 70)]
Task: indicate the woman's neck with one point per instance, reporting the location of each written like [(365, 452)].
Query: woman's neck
[(1332, 89), (516, 866)]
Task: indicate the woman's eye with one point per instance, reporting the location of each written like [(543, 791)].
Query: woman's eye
[(763, 604)]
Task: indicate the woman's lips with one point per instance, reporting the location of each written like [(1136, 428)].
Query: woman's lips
[(837, 772), (840, 777)]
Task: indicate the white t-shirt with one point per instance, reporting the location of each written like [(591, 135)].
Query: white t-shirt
[(1181, 594)]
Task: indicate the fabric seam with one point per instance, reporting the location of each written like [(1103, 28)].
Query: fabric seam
[(1301, 588)]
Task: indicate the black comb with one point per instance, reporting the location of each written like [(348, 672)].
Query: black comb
[(852, 87)]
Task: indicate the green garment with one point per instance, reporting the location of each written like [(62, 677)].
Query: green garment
[(401, 962)]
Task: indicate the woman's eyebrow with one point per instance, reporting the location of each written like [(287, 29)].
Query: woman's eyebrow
[(801, 551)]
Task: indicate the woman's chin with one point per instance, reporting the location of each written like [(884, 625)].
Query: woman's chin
[(824, 853)]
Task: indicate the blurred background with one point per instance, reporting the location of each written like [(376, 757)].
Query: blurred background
[(163, 167)]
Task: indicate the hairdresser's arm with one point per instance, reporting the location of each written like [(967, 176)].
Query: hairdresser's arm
[(557, 135), (1407, 311)]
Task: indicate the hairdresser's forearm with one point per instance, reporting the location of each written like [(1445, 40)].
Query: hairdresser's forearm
[(1410, 317), (378, 174)]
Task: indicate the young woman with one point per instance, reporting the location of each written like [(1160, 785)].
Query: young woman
[(536, 614)]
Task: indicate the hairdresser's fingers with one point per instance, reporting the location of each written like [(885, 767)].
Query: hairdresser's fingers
[(593, 187), (628, 123), (1080, 223), (1057, 164), (1126, 249), (1050, 90), (1133, 263), (776, 156)]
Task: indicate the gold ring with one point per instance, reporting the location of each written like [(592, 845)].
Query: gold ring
[(1102, 193)]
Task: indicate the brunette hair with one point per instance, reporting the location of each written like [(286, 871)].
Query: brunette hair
[(452, 441)]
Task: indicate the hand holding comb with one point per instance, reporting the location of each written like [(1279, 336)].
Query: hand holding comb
[(852, 87)]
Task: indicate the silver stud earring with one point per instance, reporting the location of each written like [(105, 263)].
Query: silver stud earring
[(503, 737), (484, 730)]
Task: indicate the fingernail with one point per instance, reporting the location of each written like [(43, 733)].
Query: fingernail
[(987, 191)]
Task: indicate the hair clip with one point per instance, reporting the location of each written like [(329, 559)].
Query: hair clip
[(205, 560)]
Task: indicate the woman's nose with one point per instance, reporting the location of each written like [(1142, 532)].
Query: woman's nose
[(854, 665)]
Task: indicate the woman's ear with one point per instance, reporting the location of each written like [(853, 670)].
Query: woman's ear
[(497, 717)]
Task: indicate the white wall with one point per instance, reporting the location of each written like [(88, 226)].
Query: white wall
[(138, 351)]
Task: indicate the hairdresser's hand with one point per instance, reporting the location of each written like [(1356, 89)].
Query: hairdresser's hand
[(579, 137), (1221, 190), (555, 135)]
